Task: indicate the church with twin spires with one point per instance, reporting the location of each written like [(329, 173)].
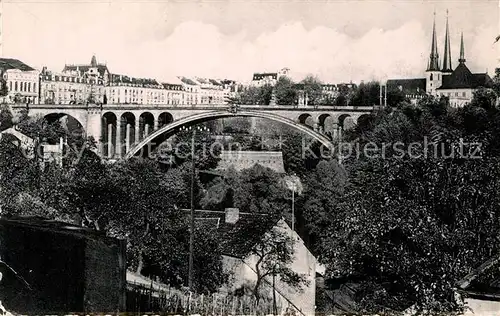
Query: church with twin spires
[(441, 79)]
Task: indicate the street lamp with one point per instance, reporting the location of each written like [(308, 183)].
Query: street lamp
[(293, 183), (191, 229)]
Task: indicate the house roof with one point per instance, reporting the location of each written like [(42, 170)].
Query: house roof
[(462, 78), (483, 281), (40, 223), (236, 239), (10, 63), (188, 81), (115, 78), (101, 69), (413, 86)]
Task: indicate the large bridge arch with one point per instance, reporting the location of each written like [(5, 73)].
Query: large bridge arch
[(208, 116)]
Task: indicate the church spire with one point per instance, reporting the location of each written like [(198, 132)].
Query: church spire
[(434, 57), (462, 52), (447, 49)]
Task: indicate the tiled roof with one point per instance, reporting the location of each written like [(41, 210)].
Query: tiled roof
[(214, 82), (102, 69), (188, 81), (412, 86), (115, 78), (462, 78), (10, 63), (236, 239)]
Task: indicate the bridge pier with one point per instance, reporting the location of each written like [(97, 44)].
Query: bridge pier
[(118, 150), (109, 140), (155, 124), (94, 124), (127, 137), (137, 133)]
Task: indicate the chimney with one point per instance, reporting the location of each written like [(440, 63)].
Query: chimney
[(232, 215)]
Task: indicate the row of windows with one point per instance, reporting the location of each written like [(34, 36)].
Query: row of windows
[(22, 87), (456, 94)]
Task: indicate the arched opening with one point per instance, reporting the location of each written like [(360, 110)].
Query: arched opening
[(109, 125), (346, 122), (306, 119), (364, 120), (149, 144), (146, 123), (127, 132), (326, 124), (164, 119), (66, 121)]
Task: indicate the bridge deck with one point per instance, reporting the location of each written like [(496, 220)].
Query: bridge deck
[(204, 107)]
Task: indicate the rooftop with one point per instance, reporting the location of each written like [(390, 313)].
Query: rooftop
[(10, 63), (462, 78), (238, 238)]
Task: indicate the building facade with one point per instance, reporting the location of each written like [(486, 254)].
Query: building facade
[(22, 81), (61, 88), (457, 84), (128, 90)]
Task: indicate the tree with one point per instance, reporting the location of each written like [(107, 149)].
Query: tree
[(367, 94), (313, 89), (4, 90), (5, 117), (254, 95), (274, 252), (395, 97), (408, 226), (285, 91)]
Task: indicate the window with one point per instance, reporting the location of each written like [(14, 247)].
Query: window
[(464, 94), (29, 86), (432, 78), (10, 85), (15, 86), (439, 76), (456, 94)]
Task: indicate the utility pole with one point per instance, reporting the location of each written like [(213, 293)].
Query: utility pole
[(191, 235), (191, 224)]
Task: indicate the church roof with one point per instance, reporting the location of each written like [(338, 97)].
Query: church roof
[(463, 78), (410, 86)]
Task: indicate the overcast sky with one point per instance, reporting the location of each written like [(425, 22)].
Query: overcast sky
[(336, 40)]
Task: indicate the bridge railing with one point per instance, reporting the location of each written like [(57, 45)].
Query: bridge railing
[(196, 106)]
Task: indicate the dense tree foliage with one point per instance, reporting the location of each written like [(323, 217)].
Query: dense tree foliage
[(416, 209)]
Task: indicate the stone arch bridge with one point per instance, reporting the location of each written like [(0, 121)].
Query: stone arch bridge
[(124, 130)]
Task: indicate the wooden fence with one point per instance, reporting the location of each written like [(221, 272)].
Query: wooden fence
[(169, 301)]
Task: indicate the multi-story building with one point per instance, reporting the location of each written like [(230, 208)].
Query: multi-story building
[(458, 85), (61, 88), (21, 80), (207, 91), (94, 74), (268, 78), (129, 90)]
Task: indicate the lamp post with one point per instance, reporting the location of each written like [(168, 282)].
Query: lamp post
[(191, 226), (293, 183)]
